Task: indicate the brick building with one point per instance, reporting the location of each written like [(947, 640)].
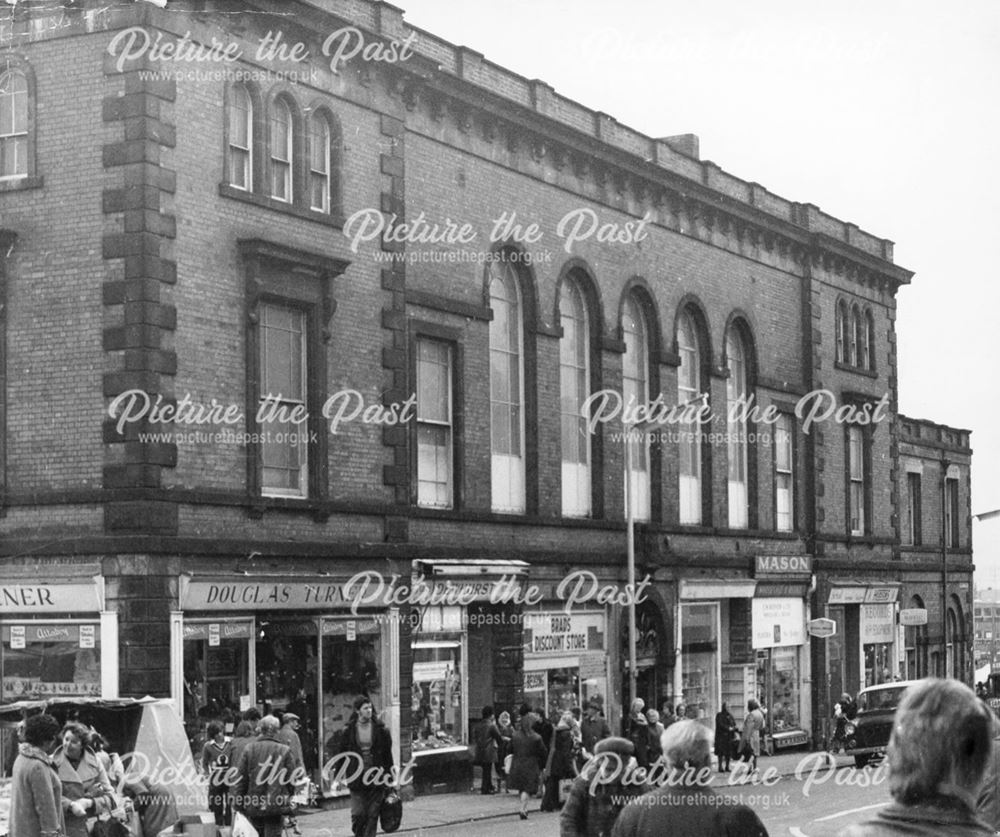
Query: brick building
[(366, 297)]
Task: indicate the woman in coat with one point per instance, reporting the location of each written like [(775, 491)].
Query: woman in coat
[(506, 730), (86, 790), (486, 738), (750, 738), (725, 728), (525, 767), (560, 763), (637, 731), (35, 809)]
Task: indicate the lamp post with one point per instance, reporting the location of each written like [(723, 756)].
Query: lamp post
[(629, 429)]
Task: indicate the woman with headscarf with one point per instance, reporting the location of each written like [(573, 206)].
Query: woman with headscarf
[(506, 730), (560, 763), (637, 731), (750, 737)]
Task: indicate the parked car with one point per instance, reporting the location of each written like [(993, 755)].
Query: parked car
[(868, 734)]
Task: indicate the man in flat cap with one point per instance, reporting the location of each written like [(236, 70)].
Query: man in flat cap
[(604, 787)]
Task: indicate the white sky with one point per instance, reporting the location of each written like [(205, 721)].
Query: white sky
[(881, 113)]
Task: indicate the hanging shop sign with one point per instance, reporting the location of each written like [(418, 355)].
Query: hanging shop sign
[(821, 628), (913, 616)]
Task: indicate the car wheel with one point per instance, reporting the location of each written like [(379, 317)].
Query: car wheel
[(861, 761)]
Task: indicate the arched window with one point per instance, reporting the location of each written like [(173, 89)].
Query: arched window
[(953, 648), (240, 138), (854, 335), (574, 389), (506, 389), (869, 340), (281, 149), (319, 163), (689, 444), (736, 394), (843, 339), (635, 391), (13, 125)]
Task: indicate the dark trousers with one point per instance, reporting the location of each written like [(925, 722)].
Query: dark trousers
[(365, 805), (487, 783), (219, 804), (550, 798), (267, 826)]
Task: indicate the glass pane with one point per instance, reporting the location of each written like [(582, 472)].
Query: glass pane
[(438, 713), (21, 112), (319, 145), (216, 677), (6, 115), (500, 429), (319, 192), (51, 659)]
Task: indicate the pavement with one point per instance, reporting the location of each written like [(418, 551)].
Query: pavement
[(436, 810)]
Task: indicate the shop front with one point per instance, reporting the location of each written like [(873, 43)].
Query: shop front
[(717, 662), (282, 644), (863, 651)]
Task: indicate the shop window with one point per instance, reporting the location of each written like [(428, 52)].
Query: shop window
[(635, 392), (784, 477), (912, 524), (50, 659), (435, 424), (439, 715), (506, 389), (778, 685), (700, 659), (574, 388), (689, 446), (216, 674)]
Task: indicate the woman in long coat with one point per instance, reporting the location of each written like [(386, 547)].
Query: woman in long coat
[(35, 789), (725, 728), (750, 738), (529, 754), (560, 764), (86, 791)]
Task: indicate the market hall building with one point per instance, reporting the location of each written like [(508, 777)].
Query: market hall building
[(265, 331)]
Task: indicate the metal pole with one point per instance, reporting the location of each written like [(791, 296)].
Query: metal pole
[(630, 548)]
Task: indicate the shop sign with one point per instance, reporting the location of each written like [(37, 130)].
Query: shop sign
[(821, 628), (592, 666), (222, 630), (562, 633), (777, 622), (912, 616), (783, 565), (847, 595), (534, 681), (881, 595), (19, 636), (260, 594), (877, 624), (75, 597)]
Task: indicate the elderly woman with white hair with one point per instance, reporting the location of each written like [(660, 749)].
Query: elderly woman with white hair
[(687, 806), (938, 754)]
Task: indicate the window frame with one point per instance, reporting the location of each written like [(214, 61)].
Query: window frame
[(688, 321), (15, 65), (282, 275), (249, 150), (784, 473), (862, 481), (275, 164), (952, 530), (578, 367), (642, 383), (738, 385), (426, 333), (914, 509)]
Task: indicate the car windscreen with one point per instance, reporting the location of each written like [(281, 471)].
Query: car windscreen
[(880, 699)]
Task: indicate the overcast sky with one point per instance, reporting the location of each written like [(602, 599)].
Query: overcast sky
[(880, 113)]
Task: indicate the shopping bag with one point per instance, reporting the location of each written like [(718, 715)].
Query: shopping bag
[(508, 760), (242, 827), (390, 815)]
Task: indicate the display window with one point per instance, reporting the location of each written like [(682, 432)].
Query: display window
[(50, 659), (216, 673), (778, 685), (352, 649), (700, 659)]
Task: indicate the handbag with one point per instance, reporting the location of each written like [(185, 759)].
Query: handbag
[(508, 760), (110, 827), (390, 813)]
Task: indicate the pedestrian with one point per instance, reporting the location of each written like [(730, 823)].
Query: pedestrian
[(264, 786), (527, 755), (369, 741), (35, 789), (604, 787), (110, 761), (86, 790), (593, 728), (506, 730), (687, 806), (560, 763), (725, 728), (487, 741), (938, 753), (216, 756), (667, 716), (656, 729), (988, 801), (246, 731), (637, 731), (753, 723), (289, 734)]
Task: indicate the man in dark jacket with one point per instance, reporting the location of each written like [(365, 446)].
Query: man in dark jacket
[(487, 741), (593, 728), (367, 744), (604, 787), (686, 806), (264, 786)]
